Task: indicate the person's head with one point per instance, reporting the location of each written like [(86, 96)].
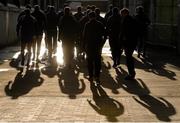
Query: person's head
[(92, 15), (93, 7), (48, 8), (79, 9), (36, 7), (87, 12), (52, 9), (27, 12), (115, 11), (139, 9), (124, 12), (67, 11), (97, 11), (88, 7)]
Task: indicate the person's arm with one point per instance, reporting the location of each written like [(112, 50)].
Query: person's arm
[(18, 26)]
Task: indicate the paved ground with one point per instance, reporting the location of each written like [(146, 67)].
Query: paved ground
[(47, 94)]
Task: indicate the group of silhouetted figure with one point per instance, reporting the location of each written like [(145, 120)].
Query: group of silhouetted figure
[(87, 31)]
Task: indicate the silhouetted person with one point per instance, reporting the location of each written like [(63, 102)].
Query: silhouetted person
[(68, 30), (87, 8), (78, 17), (143, 23), (61, 12), (128, 37), (99, 18), (84, 20), (79, 13), (102, 20), (113, 29), (93, 41), (41, 23), (109, 13), (26, 30), (82, 23), (51, 33), (23, 12)]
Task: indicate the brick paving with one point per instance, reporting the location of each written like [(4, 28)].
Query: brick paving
[(50, 95)]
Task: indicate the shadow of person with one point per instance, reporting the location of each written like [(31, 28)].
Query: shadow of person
[(135, 86), (15, 62), (51, 69), (23, 84), (69, 83), (104, 105), (157, 66), (107, 80), (158, 106)]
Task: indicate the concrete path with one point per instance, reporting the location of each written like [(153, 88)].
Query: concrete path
[(51, 95)]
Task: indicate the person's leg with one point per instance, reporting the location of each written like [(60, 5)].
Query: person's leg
[(97, 62), (39, 39), (65, 52), (49, 41), (23, 45), (71, 53), (29, 45), (140, 46), (54, 42), (46, 44), (119, 53), (34, 48), (144, 46), (130, 62), (90, 67)]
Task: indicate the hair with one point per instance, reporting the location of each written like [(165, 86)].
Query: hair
[(115, 11), (37, 7), (67, 10), (52, 9), (92, 14), (93, 7), (97, 11), (88, 7), (139, 9), (27, 11), (126, 10), (79, 8)]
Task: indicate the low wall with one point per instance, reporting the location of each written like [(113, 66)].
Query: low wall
[(8, 24)]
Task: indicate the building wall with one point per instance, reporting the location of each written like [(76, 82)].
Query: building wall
[(8, 24), (163, 15)]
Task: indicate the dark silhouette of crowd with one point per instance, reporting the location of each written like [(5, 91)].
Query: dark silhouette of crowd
[(85, 30)]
